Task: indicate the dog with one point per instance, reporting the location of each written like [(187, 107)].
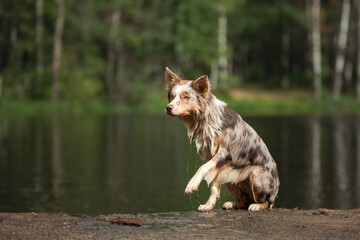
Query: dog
[(233, 152)]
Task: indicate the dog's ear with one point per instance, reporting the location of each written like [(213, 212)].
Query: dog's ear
[(201, 85), (171, 78)]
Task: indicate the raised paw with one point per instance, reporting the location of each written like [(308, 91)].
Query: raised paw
[(191, 187), (229, 205), (205, 207)]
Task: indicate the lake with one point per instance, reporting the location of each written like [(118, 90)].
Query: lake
[(102, 164)]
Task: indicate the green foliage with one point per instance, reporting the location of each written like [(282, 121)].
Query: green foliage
[(153, 34), (78, 88)]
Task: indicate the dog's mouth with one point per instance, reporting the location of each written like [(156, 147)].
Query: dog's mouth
[(177, 115), (170, 113)]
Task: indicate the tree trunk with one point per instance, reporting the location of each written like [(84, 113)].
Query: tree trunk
[(214, 74), (348, 74), (308, 11), (1, 83), (57, 49), (179, 47), (13, 54), (358, 56), (113, 38), (309, 23), (222, 47), (119, 83), (285, 39), (340, 58), (179, 44), (39, 40), (316, 44), (285, 44)]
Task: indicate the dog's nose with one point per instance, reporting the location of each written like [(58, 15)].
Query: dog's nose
[(169, 108)]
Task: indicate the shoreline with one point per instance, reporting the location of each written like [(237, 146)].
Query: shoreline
[(268, 224), (244, 101)]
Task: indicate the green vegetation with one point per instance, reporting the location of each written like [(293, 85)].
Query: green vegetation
[(155, 105), (110, 56)]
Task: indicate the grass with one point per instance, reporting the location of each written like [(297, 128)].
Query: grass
[(292, 102), (245, 102)]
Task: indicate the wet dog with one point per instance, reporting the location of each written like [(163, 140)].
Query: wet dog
[(233, 152)]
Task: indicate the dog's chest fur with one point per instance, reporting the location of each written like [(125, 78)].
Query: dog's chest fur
[(219, 127)]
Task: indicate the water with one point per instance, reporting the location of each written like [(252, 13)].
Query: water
[(128, 164)]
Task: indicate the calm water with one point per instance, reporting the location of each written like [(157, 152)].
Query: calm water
[(107, 164)]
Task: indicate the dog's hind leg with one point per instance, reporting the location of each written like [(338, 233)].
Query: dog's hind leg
[(214, 195), (260, 188)]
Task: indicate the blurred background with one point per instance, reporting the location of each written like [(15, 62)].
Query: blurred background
[(82, 97), (116, 50)]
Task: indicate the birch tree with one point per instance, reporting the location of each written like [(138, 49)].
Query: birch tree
[(316, 44), (57, 49), (222, 46), (342, 41), (39, 40), (179, 44)]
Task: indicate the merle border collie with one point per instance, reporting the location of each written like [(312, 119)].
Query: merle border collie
[(233, 152)]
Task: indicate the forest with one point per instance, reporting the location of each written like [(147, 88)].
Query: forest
[(117, 50)]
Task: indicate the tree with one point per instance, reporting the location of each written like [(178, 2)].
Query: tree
[(316, 44), (285, 45), (112, 49), (222, 46), (39, 40), (117, 48), (57, 49), (342, 41), (358, 54), (196, 36)]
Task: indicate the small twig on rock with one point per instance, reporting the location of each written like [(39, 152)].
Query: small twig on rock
[(126, 222)]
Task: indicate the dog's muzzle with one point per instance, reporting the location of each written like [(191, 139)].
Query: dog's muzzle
[(169, 108)]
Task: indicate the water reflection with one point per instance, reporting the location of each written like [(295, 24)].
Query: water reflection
[(56, 157), (357, 179), (340, 145), (315, 162), (106, 164)]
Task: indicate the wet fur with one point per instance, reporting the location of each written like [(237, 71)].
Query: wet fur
[(233, 152)]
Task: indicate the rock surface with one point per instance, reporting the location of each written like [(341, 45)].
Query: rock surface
[(218, 224)]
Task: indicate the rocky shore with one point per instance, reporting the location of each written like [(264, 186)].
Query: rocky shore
[(218, 224)]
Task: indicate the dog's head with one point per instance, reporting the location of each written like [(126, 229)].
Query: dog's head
[(185, 97)]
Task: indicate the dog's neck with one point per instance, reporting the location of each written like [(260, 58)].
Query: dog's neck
[(204, 125)]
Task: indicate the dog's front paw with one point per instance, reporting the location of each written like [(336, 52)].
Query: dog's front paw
[(254, 207), (191, 187), (205, 207)]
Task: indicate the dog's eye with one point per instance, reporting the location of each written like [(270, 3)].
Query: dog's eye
[(186, 97)]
